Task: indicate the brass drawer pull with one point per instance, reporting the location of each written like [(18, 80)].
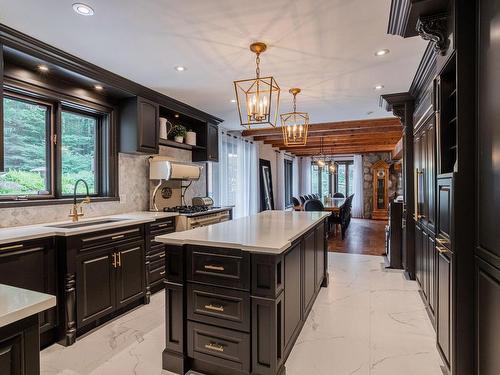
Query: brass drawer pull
[(162, 255), (164, 225), (11, 247), (114, 260), (162, 273), (442, 241), (214, 307), (442, 249), (216, 347), (213, 268), (119, 259), (118, 237)]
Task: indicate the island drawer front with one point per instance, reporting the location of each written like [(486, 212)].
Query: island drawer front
[(156, 253), (162, 225), (228, 268), (156, 271), (110, 237), (223, 307), (222, 347)]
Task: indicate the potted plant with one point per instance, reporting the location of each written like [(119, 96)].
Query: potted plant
[(179, 132), (191, 138)]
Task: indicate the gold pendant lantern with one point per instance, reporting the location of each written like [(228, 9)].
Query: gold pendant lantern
[(257, 98), (295, 124)]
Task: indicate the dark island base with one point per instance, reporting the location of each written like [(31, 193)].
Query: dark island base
[(233, 312)]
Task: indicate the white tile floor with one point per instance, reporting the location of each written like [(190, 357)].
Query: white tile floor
[(369, 321)]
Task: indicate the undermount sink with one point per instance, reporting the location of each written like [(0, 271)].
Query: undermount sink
[(85, 223)]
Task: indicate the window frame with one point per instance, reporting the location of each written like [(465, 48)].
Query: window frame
[(288, 172), (320, 180), (107, 158), (349, 164)]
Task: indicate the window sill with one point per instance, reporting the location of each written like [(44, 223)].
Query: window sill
[(51, 202)]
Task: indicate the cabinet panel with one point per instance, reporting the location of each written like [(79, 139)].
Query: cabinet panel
[(95, 286), (418, 255), (308, 267), (11, 351), (487, 318), (425, 264), (320, 255), (148, 113), (444, 303), (292, 292), (212, 143), (130, 274), (431, 251), (430, 175), (32, 265), (445, 209)]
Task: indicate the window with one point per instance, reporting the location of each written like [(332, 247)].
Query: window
[(321, 181), (288, 183), (344, 178), (78, 151), (44, 156)]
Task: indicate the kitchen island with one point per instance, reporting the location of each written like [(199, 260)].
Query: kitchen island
[(239, 292)]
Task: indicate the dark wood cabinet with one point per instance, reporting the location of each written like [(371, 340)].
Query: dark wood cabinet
[(108, 279), (96, 285), (20, 347), (309, 266), (139, 126), (209, 139), (33, 265), (321, 255), (130, 273), (293, 302), (444, 302)]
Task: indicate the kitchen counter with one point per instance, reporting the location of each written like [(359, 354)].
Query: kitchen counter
[(267, 232), (17, 304), (23, 233)]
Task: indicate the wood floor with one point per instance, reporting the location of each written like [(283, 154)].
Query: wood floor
[(362, 237)]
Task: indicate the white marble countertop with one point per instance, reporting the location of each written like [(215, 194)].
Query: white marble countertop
[(17, 303), (267, 232), (23, 233)]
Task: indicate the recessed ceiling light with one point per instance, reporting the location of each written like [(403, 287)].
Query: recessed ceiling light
[(180, 68), (233, 100), (43, 68), (98, 87), (176, 115), (83, 9), (382, 52), (379, 87)]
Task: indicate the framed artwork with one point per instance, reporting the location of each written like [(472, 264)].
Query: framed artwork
[(266, 185)]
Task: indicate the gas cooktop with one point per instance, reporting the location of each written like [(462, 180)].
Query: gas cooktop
[(187, 209)]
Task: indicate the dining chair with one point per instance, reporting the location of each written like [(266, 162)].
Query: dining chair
[(296, 204), (302, 199), (313, 205), (338, 195)]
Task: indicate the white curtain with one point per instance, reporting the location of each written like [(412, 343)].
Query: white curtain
[(357, 202), (305, 175), (296, 177), (235, 177)]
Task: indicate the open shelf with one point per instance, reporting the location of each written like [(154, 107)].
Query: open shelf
[(183, 146)]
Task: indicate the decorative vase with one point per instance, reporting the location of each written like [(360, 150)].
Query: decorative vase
[(179, 139), (163, 127), (191, 138)]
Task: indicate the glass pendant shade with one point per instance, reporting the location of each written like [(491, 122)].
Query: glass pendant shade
[(295, 124), (257, 98)]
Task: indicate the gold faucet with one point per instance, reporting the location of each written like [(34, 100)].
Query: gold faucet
[(73, 213)]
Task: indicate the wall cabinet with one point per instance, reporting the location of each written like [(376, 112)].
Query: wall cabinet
[(444, 303), (108, 279), (33, 265), (209, 138), (139, 126)]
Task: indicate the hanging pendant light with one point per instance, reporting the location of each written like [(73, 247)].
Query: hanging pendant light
[(257, 98), (332, 166), (295, 124), (320, 159)]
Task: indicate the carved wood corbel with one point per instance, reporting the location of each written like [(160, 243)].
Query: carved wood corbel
[(434, 28)]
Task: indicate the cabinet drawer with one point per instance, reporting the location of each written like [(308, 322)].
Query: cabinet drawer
[(162, 227), (223, 267), (157, 255), (156, 271), (219, 346), (105, 238), (224, 307)]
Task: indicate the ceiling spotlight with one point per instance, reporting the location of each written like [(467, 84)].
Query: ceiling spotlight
[(43, 68), (176, 115), (83, 9), (233, 100), (98, 87), (379, 87), (180, 68), (382, 52)]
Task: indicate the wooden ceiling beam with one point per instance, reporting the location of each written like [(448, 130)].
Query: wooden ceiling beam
[(384, 142), (343, 150), (331, 133), (330, 126), (328, 142)]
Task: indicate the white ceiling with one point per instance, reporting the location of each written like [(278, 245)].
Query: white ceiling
[(326, 47)]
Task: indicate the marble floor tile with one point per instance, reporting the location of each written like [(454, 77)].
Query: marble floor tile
[(369, 321)]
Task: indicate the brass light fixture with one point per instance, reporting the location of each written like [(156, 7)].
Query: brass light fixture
[(295, 124), (320, 160), (257, 98)]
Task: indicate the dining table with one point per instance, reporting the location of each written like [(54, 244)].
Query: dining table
[(333, 204)]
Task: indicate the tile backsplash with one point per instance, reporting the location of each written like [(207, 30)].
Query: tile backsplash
[(133, 185)]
